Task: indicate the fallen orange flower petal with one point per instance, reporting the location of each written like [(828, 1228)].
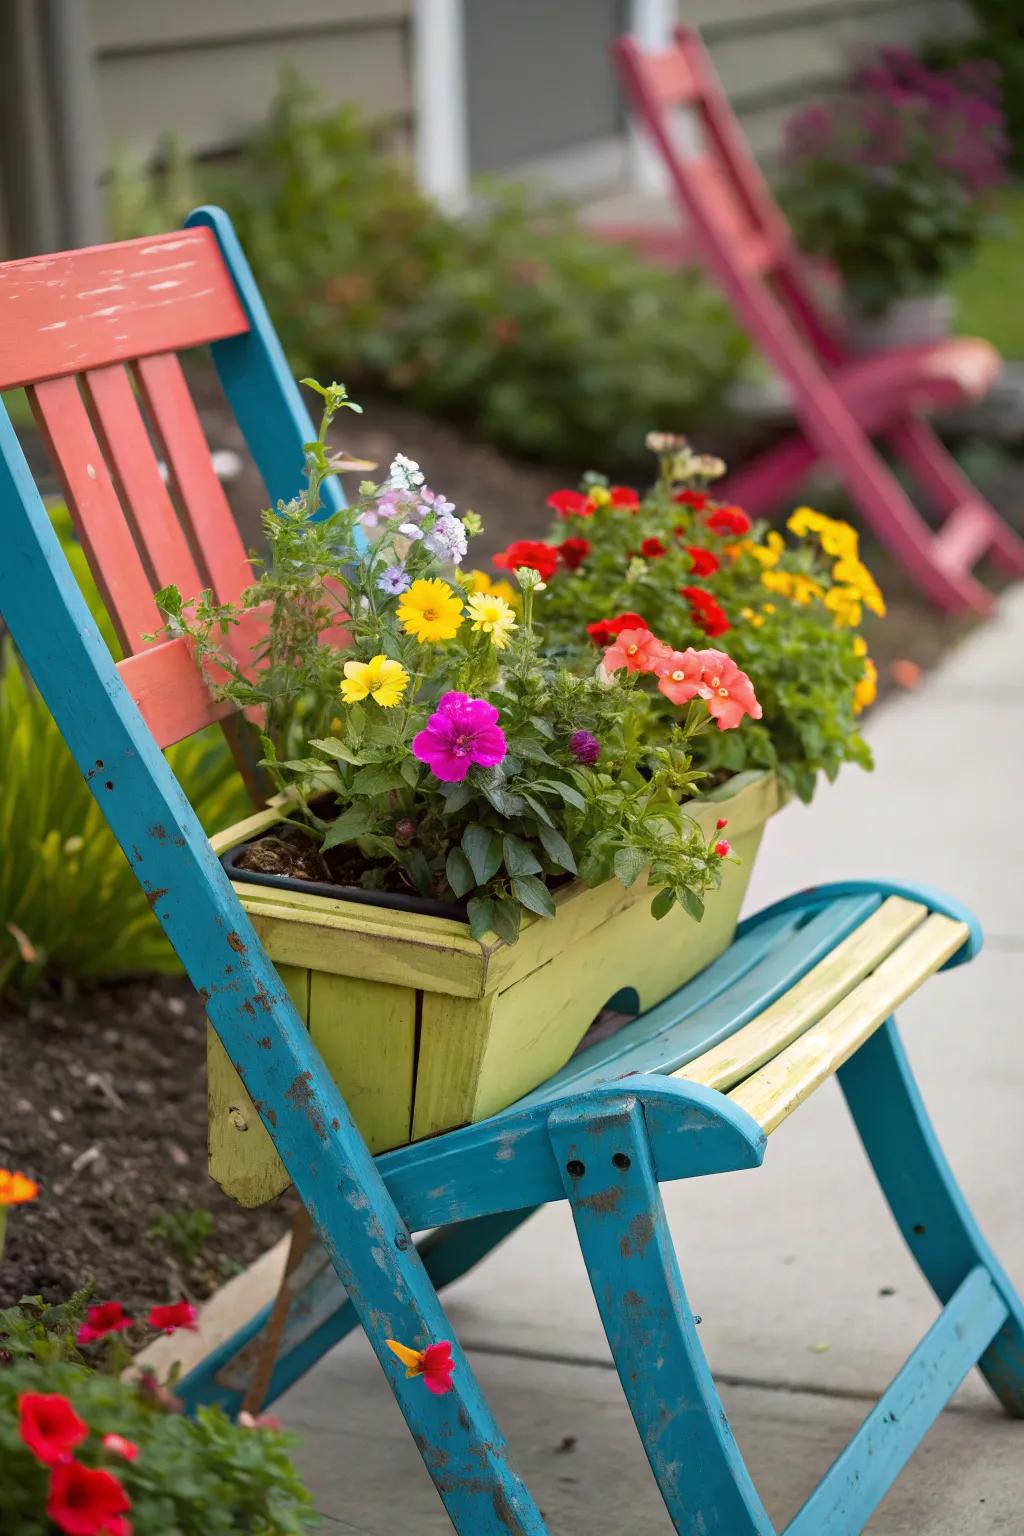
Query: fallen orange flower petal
[(16, 1188)]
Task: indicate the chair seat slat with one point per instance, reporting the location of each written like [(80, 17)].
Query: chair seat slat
[(97, 514), (223, 562), (813, 996), (129, 452), (774, 1091)]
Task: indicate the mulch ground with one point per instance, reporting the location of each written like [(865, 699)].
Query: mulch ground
[(104, 1093)]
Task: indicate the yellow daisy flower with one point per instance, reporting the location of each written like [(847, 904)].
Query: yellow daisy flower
[(380, 679), (492, 616), (855, 574), (770, 552), (430, 611), (844, 602), (798, 588)]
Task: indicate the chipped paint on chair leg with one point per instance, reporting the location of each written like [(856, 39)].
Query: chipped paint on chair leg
[(923, 1195), (321, 1314), (609, 1176)]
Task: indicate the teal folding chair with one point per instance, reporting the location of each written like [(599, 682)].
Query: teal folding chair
[(691, 1088)]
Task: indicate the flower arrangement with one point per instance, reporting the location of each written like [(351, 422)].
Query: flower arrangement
[(887, 181), (780, 615), (87, 1451), (428, 741)]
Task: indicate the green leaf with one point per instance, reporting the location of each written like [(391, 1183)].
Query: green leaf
[(377, 779), (505, 803), (690, 902), (456, 797), (568, 792), (410, 771), (519, 857), (507, 918), (532, 751), (482, 914), (415, 862), (482, 847), (663, 903), (460, 872), (350, 824), (629, 865), (556, 848), (534, 895), (538, 808), (332, 747)]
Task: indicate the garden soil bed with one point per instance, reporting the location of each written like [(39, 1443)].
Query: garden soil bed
[(104, 1103)]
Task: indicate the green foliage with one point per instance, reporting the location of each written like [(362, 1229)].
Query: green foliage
[(515, 321), (521, 814), (69, 903), (184, 1233), (201, 1477)]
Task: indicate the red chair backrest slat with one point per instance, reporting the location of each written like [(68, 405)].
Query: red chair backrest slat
[(94, 336)]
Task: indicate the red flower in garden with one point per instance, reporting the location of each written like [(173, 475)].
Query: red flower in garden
[(177, 1314), (571, 504), (49, 1426), (703, 562), (723, 848), (106, 1317), (695, 499), (119, 1446), (434, 1364), (606, 629), (652, 549), (729, 520), (720, 823), (86, 1501), (624, 497), (705, 611), (543, 558), (574, 552)]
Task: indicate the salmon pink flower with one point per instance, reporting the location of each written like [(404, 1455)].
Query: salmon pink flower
[(541, 557), (635, 649), (702, 561), (434, 1364), (49, 1426), (679, 675), (119, 1446), (574, 552), (570, 504), (624, 497), (106, 1317), (728, 691), (606, 629), (729, 520), (177, 1314), (461, 731), (86, 1501), (652, 549)]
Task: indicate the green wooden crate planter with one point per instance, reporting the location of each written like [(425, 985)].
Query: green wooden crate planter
[(425, 1028)]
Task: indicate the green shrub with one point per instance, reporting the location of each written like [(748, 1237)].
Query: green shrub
[(69, 902), (201, 1477), (516, 321)]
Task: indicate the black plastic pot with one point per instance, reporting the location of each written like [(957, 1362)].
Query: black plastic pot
[(397, 901)]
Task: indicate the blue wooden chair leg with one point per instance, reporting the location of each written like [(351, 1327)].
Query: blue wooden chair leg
[(610, 1180), (925, 1200), (321, 1314)]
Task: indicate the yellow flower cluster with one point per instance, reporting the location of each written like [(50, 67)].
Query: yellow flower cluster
[(866, 690), (798, 588), (854, 586)]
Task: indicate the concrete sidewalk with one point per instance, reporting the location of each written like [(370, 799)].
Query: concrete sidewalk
[(809, 1300)]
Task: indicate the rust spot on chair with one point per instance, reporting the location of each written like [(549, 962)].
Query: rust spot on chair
[(604, 1202), (265, 1043), (154, 896), (235, 941), (300, 1097)]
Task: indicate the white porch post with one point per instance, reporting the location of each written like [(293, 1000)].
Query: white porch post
[(439, 102), (652, 22)]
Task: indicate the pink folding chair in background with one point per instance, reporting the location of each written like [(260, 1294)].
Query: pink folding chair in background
[(843, 404)]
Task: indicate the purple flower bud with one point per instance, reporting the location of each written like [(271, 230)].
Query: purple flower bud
[(584, 747)]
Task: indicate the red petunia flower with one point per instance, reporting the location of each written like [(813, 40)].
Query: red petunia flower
[(729, 520), (723, 848), (605, 630), (434, 1364), (87, 1501), (652, 549), (695, 499), (570, 504), (703, 562), (49, 1426), (574, 552), (624, 497), (705, 611), (177, 1314), (543, 558), (721, 823), (119, 1446), (106, 1317)]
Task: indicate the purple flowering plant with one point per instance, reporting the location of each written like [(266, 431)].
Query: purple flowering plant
[(423, 737), (889, 181)]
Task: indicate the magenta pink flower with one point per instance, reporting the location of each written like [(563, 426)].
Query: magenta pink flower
[(175, 1315), (461, 731), (106, 1317)]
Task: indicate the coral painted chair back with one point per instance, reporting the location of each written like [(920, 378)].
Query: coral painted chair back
[(737, 227), (94, 336)]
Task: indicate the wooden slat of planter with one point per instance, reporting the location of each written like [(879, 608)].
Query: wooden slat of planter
[(366, 1033), (823, 986)]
